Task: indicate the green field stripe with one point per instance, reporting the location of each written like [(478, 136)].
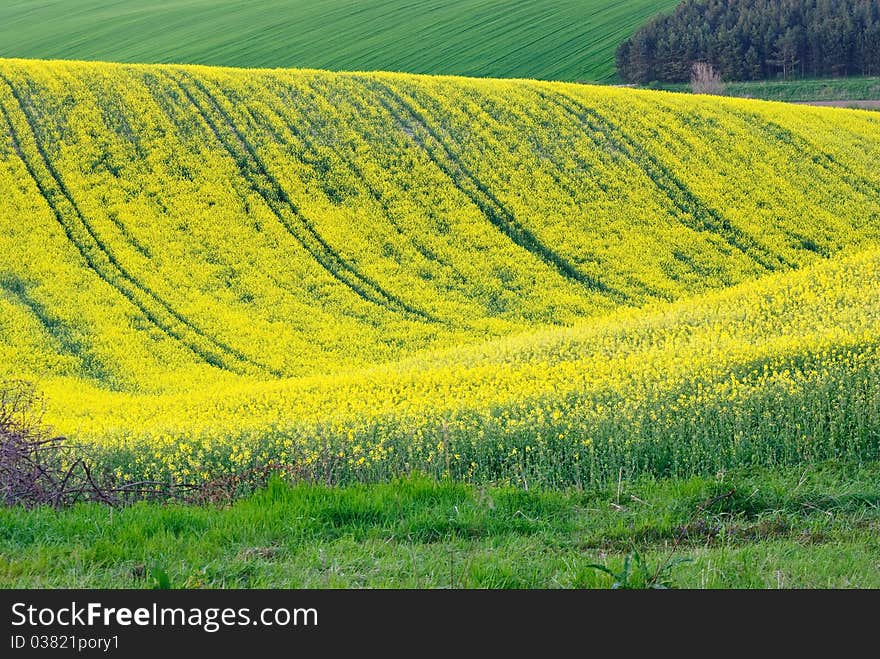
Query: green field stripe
[(412, 122), (261, 180), (544, 39), (610, 135), (92, 250)]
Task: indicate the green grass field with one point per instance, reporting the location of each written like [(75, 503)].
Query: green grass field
[(807, 527), (799, 91), (545, 39)]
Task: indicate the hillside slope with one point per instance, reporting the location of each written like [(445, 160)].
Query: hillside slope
[(286, 223), (198, 262), (547, 39), (777, 372)]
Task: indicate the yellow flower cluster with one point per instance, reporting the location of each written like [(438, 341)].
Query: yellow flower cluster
[(358, 275)]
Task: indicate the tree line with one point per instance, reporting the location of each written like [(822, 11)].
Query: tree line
[(756, 40)]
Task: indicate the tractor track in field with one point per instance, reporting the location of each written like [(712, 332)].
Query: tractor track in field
[(255, 172), (706, 219), (862, 104), (280, 94), (63, 335), (165, 318), (170, 108), (374, 193), (282, 139), (412, 122), (486, 106)]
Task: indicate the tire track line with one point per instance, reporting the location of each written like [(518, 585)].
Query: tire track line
[(412, 122), (371, 190), (112, 272), (59, 333), (804, 147), (282, 95), (257, 175), (687, 203), (525, 114)]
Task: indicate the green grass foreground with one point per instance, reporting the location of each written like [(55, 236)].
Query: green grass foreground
[(799, 528)]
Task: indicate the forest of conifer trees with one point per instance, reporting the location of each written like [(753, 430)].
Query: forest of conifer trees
[(756, 40)]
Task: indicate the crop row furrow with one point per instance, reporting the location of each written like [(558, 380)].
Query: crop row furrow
[(607, 135), (359, 316), (805, 148), (558, 158), (414, 124), (263, 182), (59, 333), (357, 171), (101, 259), (279, 103), (636, 290)]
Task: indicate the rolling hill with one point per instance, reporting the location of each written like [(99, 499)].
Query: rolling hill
[(355, 275), (548, 39)]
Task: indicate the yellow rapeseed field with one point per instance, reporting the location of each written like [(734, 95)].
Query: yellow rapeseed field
[(356, 276)]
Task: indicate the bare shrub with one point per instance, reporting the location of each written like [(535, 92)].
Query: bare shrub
[(31, 460), (705, 79), (38, 468)]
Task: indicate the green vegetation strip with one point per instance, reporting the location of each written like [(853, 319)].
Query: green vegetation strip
[(813, 527), (799, 91)]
